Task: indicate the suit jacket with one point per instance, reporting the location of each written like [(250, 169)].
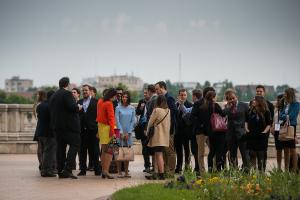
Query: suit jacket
[(236, 121), (181, 127), (64, 112), (43, 124), (173, 109), (198, 117), (88, 118)]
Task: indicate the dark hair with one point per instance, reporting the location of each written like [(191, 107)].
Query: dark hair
[(290, 95), (42, 96), (228, 92), (210, 95), (93, 89), (162, 84), (104, 92), (49, 94), (161, 102), (182, 90), (151, 88), (64, 82), (128, 97), (77, 90), (110, 93), (197, 93), (261, 86), (206, 90), (280, 102), (86, 85)]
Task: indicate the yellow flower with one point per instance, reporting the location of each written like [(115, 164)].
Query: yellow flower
[(254, 177), (269, 190), (199, 182)]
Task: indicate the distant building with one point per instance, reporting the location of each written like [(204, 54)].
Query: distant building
[(102, 82), (218, 86), (15, 84), (252, 88), (189, 86)]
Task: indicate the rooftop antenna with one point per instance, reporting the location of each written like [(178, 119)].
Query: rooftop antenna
[(179, 63)]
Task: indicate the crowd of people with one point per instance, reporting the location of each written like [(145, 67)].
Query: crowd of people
[(171, 130)]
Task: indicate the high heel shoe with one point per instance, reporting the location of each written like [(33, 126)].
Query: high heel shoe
[(105, 175)]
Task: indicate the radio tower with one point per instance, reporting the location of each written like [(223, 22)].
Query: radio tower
[(179, 63)]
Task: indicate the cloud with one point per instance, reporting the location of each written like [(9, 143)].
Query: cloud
[(121, 21), (198, 23), (161, 27), (69, 25), (104, 24)]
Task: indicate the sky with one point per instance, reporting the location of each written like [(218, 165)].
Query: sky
[(246, 42)]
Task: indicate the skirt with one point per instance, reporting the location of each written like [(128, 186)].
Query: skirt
[(103, 133)]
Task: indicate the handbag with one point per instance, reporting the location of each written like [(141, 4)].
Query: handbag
[(287, 131), (125, 154), (150, 132), (218, 123)]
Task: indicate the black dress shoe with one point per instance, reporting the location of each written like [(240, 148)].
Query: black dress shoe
[(81, 173), (66, 174), (97, 173), (48, 174), (154, 176)]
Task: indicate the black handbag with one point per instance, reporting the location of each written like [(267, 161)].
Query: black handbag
[(150, 132)]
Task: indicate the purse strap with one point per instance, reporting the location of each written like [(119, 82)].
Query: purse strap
[(163, 118)]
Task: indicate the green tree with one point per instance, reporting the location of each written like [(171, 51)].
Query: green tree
[(206, 84), (2, 96), (280, 88), (17, 99), (226, 85), (198, 86), (245, 95)]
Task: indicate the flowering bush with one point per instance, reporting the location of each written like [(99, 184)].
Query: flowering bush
[(231, 184)]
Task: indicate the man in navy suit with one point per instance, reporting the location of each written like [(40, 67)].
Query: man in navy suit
[(89, 130)]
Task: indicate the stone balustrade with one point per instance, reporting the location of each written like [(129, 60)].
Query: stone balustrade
[(17, 127)]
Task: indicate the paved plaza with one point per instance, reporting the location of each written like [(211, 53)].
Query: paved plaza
[(20, 179)]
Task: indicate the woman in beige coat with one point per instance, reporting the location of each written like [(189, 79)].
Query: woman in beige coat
[(160, 119)]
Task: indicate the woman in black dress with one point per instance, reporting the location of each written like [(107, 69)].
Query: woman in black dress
[(258, 123)]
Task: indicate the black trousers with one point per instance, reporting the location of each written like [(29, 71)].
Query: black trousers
[(90, 143), (194, 149), (146, 153), (181, 142), (217, 148), (258, 157), (65, 161), (48, 157), (233, 145)]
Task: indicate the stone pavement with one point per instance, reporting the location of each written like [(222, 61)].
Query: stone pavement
[(20, 179)]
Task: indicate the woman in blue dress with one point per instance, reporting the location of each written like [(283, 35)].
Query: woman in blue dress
[(125, 119)]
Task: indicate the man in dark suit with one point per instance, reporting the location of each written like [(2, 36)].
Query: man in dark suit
[(66, 126), (183, 133), (236, 112), (89, 130)]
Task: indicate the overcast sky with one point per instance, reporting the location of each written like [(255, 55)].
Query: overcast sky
[(245, 41)]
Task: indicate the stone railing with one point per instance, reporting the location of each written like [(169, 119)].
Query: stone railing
[(17, 127)]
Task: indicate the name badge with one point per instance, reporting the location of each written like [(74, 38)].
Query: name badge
[(277, 127)]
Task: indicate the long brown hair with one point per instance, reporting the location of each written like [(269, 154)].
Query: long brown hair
[(161, 102), (290, 96), (261, 106), (208, 99)]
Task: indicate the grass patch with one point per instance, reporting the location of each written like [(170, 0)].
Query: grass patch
[(153, 191), (228, 184)]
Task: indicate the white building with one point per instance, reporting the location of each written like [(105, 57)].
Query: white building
[(102, 82), (15, 84)]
